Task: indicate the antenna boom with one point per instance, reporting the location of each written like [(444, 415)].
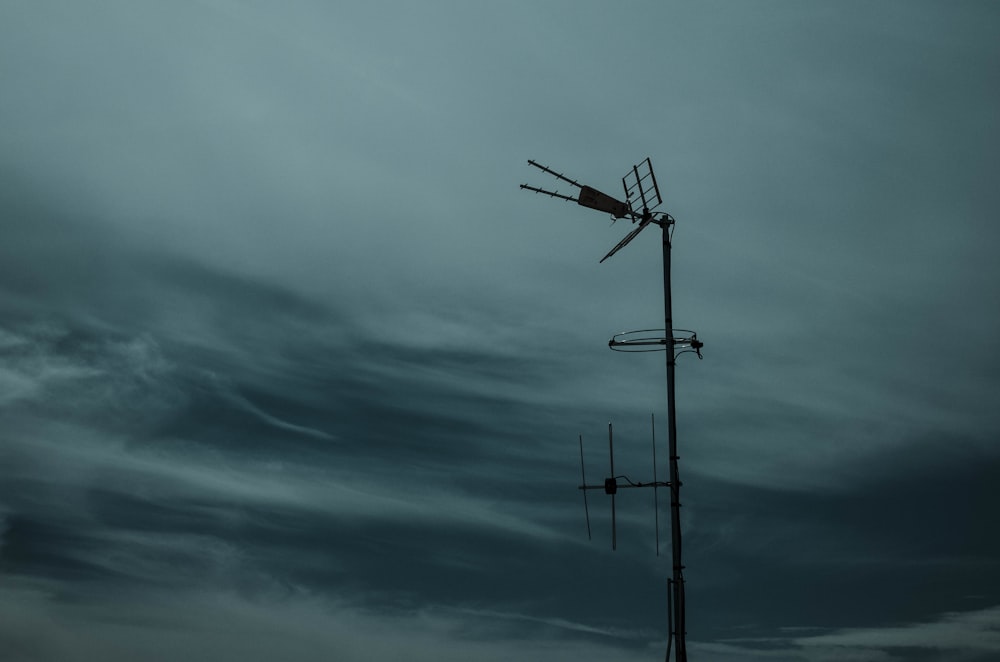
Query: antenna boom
[(554, 194), (588, 197), (552, 172)]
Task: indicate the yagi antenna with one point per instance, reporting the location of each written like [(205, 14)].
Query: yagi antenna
[(587, 197), (614, 483), (642, 196)]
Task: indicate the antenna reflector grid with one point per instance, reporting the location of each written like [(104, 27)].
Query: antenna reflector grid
[(641, 187)]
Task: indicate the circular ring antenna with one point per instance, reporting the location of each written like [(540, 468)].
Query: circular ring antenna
[(655, 340)]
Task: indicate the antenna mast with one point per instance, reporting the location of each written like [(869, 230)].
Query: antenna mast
[(642, 197)]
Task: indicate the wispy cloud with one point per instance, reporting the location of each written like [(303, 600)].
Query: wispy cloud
[(972, 635), (290, 625), (956, 633)]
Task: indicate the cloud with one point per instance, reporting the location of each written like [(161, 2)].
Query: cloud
[(37, 626), (958, 633), (969, 636)]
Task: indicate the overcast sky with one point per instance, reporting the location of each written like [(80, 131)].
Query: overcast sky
[(290, 369)]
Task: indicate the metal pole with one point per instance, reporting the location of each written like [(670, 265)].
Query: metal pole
[(677, 585)]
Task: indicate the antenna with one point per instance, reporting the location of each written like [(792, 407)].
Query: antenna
[(611, 486), (588, 196), (642, 198), (642, 195)]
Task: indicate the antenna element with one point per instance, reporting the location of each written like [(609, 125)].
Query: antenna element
[(611, 486)]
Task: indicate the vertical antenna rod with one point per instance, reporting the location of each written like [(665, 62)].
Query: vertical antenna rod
[(656, 501), (610, 487), (583, 474)]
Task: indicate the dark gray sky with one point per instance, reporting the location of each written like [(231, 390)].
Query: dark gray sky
[(291, 369)]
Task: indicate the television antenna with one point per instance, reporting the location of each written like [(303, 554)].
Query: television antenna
[(642, 198)]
